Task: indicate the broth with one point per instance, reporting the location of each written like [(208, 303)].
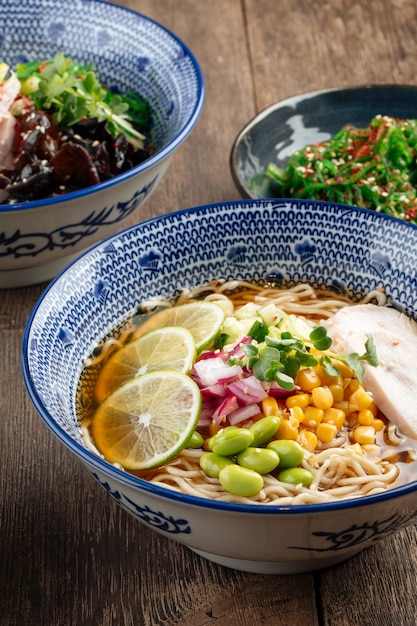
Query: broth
[(341, 468)]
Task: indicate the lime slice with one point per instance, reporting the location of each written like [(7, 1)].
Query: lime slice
[(148, 420), (203, 320), (162, 349)]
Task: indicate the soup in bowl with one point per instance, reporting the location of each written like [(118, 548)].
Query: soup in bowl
[(207, 368)]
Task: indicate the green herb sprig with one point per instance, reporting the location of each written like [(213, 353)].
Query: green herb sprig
[(280, 359), (71, 93)]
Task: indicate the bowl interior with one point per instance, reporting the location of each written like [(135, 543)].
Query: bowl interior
[(286, 126), (129, 50), (350, 250)]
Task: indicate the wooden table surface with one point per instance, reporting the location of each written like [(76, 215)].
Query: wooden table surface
[(68, 554)]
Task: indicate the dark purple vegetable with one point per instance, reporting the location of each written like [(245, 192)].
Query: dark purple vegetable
[(51, 162)]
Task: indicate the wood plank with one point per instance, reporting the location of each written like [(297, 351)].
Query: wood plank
[(303, 46), (376, 587), (200, 172), (70, 555)]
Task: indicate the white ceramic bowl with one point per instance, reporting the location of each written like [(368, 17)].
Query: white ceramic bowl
[(131, 51), (347, 249)]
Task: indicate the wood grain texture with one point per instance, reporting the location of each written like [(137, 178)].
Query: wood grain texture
[(334, 43), (68, 554)]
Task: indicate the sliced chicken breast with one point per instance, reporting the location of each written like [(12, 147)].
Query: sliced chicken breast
[(393, 383)]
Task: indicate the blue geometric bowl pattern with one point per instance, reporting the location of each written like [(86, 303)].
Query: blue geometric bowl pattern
[(285, 242), (350, 250), (130, 51), (29, 244)]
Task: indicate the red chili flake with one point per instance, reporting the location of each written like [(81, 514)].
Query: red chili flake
[(411, 213), (364, 150)]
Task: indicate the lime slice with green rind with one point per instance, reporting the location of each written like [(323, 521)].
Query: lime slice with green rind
[(202, 318), (148, 420), (168, 348)]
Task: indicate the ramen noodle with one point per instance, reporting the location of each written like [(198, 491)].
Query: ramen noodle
[(341, 467)]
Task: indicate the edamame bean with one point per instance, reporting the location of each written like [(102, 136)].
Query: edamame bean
[(240, 481), (296, 476), (195, 441), (260, 460), (264, 429), (230, 440), (212, 464), (289, 451)]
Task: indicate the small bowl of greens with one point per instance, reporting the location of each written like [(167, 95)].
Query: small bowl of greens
[(94, 101), (353, 146)]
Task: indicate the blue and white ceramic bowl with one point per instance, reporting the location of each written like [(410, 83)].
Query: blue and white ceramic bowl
[(130, 51), (348, 249)]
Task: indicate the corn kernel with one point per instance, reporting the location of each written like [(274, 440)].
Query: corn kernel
[(352, 419), (337, 392), (298, 413), (346, 382), (345, 370), (312, 416), (327, 379), (355, 447), (343, 406), (354, 385), (299, 399), (378, 424), (351, 388), (307, 439), (307, 379), (326, 432), (288, 429), (364, 434), (373, 407), (372, 448), (322, 397), (269, 406), (334, 416), (361, 399), (365, 417)]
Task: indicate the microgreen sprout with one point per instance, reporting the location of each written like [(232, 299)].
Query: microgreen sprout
[(279, 359), (73, 92)]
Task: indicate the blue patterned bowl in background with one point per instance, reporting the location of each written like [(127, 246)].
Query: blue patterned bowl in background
[(349, 250), (130, 51)]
